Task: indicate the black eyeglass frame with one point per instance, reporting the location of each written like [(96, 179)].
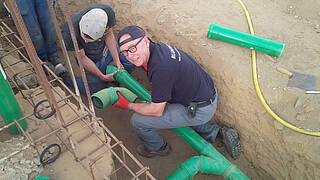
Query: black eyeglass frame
[(131, 49)]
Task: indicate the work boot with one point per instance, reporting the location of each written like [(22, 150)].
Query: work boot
[(231, 141), (165, 150)]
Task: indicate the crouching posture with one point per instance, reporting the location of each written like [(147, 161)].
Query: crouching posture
[(183, 94)]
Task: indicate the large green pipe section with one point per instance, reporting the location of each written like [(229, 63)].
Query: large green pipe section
[(107, 96), (243, 39), (9, 107), (230, 171)]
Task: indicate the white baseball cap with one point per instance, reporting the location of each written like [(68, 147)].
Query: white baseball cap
[(94, 23)]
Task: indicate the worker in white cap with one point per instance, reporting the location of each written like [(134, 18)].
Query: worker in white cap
[(97, 45)]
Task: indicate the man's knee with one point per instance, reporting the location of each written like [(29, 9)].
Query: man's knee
[(134, 120), (37, 40), (138, 122)]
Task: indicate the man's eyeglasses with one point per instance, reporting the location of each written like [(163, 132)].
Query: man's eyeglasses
[(131, 49)]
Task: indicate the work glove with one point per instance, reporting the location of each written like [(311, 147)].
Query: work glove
[(122, 102)]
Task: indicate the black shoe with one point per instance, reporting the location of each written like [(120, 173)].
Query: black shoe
[(232, 142), (165, 150)]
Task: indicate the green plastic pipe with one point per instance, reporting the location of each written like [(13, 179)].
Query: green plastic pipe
[(107, 96), (230, 171), (243, 39), (42, 178), (9, 107), (203, 164), (124, 78)]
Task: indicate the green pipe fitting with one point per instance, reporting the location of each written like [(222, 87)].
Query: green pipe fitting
[(214, 161), (126, 79), (194, 165), (243, 39), (230, 171), (107, 96), (9, 107), (203, 164)]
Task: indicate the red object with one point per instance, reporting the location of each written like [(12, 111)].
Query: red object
[(122, 102), (145, 67)]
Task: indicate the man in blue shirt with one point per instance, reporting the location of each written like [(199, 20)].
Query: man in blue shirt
[(183, 94)]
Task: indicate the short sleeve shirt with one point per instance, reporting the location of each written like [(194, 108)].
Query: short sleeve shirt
[(94, 50), (176, 77)]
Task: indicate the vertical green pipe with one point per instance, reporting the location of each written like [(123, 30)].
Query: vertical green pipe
[(9, 107), (243, 39), (229, 171)]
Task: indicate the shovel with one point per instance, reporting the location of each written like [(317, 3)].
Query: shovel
[(302, 81)]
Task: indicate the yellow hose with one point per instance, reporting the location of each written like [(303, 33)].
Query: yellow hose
[(256, 84)]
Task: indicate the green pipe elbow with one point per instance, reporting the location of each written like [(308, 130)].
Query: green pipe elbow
[(243, 39), (194, 165), (109, 95), (126, 79), (9, 106), (204, 164), (230, 172)]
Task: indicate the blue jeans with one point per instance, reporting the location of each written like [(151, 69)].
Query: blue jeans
[(94, 82), (37, 18), (175, 116)]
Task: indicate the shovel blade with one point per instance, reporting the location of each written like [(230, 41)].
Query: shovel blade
[(302, 81)]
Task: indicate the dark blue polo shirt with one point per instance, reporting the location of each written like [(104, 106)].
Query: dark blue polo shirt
[(176, 77), (94, 50)]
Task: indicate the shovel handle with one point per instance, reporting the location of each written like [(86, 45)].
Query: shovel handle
[(312, 91), (284, 71)]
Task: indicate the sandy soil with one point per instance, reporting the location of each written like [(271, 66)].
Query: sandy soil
[(271, 148), (271, 151)]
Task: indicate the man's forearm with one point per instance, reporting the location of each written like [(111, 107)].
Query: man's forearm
[(90, 66), (148, 109)]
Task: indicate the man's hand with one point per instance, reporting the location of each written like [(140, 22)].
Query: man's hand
[(119, 66), (122, 102), (108, 77)]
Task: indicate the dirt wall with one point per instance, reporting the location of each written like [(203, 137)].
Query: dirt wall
[(272, 148)]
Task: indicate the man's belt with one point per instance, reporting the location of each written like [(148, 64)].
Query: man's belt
[(206, 103)]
